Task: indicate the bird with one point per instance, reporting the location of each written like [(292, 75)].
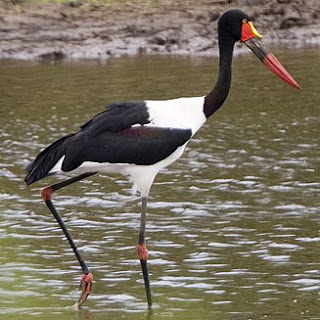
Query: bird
[(139, 138)]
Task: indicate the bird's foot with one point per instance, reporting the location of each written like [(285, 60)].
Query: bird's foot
[(85, 287), (142, 252)]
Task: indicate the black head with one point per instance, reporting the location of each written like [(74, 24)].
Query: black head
[(235, 25), (230, 23)]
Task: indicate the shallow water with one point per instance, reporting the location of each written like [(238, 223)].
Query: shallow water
[(233, 227)]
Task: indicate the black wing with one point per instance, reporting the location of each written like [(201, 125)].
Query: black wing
[(117, 117), (137, 145)]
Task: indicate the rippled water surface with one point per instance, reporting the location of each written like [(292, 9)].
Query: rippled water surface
[(233, 227)]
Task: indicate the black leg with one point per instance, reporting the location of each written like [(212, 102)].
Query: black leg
[(46, 193), (142, 250)]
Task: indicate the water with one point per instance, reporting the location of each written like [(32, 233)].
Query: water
[(233, 227)]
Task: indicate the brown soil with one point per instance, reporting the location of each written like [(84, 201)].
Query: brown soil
[(81, 30)]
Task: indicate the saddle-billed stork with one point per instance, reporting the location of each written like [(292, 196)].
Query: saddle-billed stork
[(139, 138)]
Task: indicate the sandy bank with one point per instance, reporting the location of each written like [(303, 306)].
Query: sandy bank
[(81, 30)]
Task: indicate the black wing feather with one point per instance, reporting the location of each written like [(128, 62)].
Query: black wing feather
[(45, 160), (138, 145), (117, 117)]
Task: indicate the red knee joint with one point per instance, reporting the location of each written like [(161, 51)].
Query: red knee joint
[(142, 251), (46, 193), (87, 277)]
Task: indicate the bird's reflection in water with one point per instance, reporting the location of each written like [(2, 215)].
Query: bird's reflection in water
[(149, 314), (85, 315)]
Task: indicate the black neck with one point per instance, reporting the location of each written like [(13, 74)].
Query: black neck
[(215, 99)]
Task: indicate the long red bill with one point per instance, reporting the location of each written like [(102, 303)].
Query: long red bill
[(277, 68), (264, 54)]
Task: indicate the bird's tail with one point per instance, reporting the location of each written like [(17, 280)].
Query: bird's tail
[(45, 161)]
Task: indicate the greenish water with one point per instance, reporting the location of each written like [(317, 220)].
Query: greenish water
[(233, 227)]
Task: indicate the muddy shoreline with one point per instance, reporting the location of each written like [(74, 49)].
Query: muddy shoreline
[(77, 30)]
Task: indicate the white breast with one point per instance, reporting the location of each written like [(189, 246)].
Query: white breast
[(184, 113)]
